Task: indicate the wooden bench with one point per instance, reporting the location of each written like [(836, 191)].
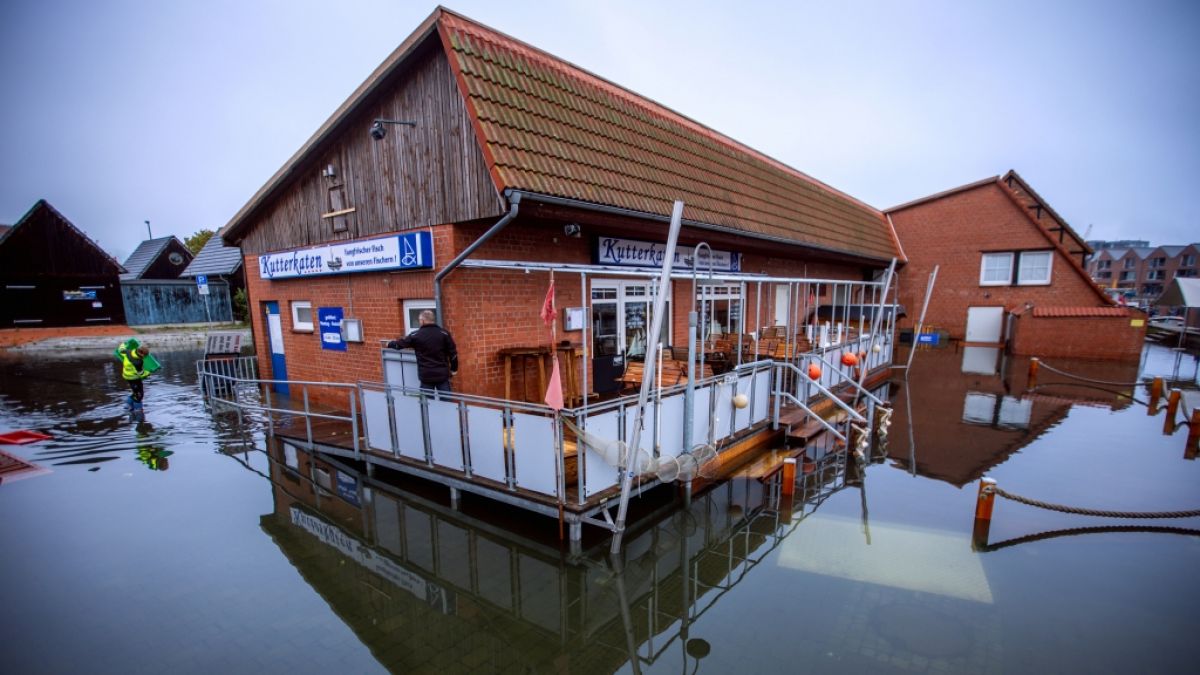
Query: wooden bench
[(673, 372)]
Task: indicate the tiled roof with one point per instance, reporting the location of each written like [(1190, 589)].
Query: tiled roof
[(214, 258), (143, 256), (1069, 312), (550, 127)]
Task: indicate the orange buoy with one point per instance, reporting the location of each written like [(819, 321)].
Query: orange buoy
[(849, 359), (814, 371)]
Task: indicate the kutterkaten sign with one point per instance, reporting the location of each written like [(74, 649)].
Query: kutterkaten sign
[(408, 251)]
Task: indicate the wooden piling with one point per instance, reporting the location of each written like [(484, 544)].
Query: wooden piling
[(1033, 371), (1156, 389), (1193, 438), (788, 486), (1172, 411), (983, 513)]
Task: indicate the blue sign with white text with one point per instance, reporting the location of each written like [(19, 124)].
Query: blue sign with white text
[(330, 320), (929, 338)]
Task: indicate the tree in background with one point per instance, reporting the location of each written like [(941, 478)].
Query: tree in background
[(241, 306), (198, 240)]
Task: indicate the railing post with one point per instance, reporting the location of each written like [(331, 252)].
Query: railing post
[(307, 418), (354, 423), (270, 420), (1033, 370)]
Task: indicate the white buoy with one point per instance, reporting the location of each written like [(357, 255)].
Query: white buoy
[(740, 401)]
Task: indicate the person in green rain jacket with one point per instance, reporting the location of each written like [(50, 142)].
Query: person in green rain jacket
[(133, 371)]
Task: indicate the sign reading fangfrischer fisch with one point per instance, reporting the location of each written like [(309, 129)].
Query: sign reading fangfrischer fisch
[(635, 253), (408, 251)]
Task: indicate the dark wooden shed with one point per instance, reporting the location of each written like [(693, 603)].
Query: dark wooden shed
[(52, 274)]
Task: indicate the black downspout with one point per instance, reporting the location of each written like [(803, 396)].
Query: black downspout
[(514, 202)]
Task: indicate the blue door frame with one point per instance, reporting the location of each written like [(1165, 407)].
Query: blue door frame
[(275, 344)]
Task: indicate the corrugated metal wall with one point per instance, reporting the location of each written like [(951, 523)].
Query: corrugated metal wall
[(150, 302)]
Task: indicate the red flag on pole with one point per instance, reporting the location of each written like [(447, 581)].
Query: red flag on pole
[(554, 393), (548, 306)]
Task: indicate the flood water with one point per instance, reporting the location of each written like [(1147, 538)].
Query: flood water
[(188, 543)]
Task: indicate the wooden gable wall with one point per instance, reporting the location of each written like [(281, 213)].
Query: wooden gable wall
[(44, 245), (415, 177)]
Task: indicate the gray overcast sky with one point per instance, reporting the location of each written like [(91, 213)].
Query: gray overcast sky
[(177, 112)]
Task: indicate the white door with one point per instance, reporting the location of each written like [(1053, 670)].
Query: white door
[(781, 304), (984, 324)]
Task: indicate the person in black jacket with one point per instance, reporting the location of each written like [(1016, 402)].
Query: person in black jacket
[(437, 355)]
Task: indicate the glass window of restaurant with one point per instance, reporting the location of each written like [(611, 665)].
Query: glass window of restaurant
[(621, 314), (720, 307)]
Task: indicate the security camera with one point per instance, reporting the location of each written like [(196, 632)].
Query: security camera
[(571, 229), (377, 130)]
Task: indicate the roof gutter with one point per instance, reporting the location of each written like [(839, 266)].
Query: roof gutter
[(643, 215), (514, 205)]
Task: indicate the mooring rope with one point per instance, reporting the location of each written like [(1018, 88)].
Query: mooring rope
[(1064, 373), (1091, 512), (1104, 529)]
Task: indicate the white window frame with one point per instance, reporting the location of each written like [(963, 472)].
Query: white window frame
[(983, 268), (633, 291), (410, 323), (297, 324), (1022, 281)]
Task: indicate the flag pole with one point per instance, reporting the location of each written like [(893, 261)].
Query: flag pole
[(652, 347)]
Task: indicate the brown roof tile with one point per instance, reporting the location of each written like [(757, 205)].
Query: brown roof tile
[(550, 127)]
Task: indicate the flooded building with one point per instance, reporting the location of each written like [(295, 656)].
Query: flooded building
[(505, 189), (52, 274), (467, 147), (1010, 271)]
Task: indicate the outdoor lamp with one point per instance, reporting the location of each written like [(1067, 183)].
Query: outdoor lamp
[(378, 131)]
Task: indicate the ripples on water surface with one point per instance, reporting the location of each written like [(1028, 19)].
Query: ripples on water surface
[(237, 555)]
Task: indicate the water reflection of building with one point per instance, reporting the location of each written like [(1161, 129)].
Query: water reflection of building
[(967, 409), (426, 587)]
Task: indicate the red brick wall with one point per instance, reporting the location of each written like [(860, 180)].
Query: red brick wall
[(954, 232), (1108, 338), (485, 309)]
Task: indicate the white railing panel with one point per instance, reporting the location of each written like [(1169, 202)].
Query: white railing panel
[(454, 553), (598, 474), (701, 417), (723, 411), (541, 601), (494, 565), (646, 441), (670, 426), (486, 432), (761, 400), (534, 454), (741, 416), (445, 434), (410, 435), (375, 416)]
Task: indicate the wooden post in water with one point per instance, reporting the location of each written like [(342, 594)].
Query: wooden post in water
[(1033, 371), (788, 486), (1193, 438), (1172, 411), (1156, 390), (983, 513)]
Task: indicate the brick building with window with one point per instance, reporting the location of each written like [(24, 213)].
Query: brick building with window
[(1010, 271), (467, 146), (1140, 274)]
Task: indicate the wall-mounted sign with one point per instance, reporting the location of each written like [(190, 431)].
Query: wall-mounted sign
[(79, 295), (330, 320), (408, 251), (635, 253)]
